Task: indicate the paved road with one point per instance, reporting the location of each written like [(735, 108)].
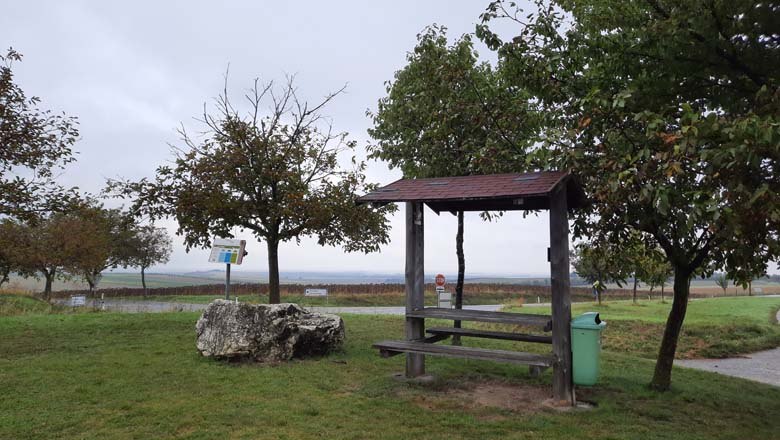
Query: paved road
[(763, 366)]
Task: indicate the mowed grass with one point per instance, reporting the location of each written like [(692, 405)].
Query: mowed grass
[(713, 328), (123, 376)]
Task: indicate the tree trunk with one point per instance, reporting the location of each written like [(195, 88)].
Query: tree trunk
[(461, 273), (6, 276), (598, 295), (662, 378), (750, 288), (634, 287), (274, 296), (662, 291), (143, 280), (49, 275)]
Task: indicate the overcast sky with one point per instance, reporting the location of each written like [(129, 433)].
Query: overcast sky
[(134, 71)]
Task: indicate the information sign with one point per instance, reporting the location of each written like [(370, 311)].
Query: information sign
[(228, 251), (315, 292), (445, 299)]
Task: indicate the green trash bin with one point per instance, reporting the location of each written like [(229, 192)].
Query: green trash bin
[(586, 347)]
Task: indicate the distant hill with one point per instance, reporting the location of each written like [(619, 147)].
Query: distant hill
[(195, 278)]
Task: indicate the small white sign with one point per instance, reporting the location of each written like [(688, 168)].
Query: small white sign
[(445, 299), (78, 300), (758, 290), (315, 292)]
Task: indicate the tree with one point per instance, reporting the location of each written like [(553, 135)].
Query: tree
[(33, 142), (9, 255), (52, 245), (657, 271), (445, 115), (109, 240), (151, 246), (722, 281), (635, 256), (744, 276), (668, 113), (598, 263), (276, 175)]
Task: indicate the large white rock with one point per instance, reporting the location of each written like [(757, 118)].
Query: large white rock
[(266, 333)]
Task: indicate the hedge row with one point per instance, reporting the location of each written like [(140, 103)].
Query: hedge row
[(494, 289)]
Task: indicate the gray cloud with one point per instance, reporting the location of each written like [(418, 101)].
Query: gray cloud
[(133, 71)]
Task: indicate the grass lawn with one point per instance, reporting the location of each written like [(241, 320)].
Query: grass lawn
[(12, 305), (713, 328), (105, 375)]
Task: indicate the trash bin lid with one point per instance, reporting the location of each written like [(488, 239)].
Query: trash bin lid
[(588, 320)]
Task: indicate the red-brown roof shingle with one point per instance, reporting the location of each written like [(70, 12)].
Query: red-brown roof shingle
[(466, 192)]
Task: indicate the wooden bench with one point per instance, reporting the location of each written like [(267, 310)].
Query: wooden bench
[(542, 321), (475, 333), (391, 348)]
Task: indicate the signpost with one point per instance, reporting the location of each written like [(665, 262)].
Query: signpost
[(440, 281), (78, 301), (444, 298), (315, 292), (228, 251)]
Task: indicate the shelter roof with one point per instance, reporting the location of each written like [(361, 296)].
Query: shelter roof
[(489, 192)]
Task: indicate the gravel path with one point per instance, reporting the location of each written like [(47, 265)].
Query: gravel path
[(763, 366)]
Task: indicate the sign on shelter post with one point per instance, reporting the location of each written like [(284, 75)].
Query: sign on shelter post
[(228, 251)]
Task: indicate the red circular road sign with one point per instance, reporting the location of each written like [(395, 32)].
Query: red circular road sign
[(440, 280)]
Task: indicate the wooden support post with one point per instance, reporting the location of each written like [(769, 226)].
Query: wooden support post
[(415, 284), (563, 385)]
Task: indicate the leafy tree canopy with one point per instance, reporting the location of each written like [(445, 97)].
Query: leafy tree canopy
[(668, 113), (108, 240), (150, 245), (33, 142), (448, 114), (276, 174)]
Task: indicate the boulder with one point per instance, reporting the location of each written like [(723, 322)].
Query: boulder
[(266, 333)]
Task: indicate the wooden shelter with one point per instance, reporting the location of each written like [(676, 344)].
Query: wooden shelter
[(555, 191)]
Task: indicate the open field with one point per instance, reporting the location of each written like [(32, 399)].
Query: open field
[(347, 294), (341, 300), (121, 280), (102, 375), (393, 298)]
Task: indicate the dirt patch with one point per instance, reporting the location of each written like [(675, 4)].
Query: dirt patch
[(512, 397), (477, 397)]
